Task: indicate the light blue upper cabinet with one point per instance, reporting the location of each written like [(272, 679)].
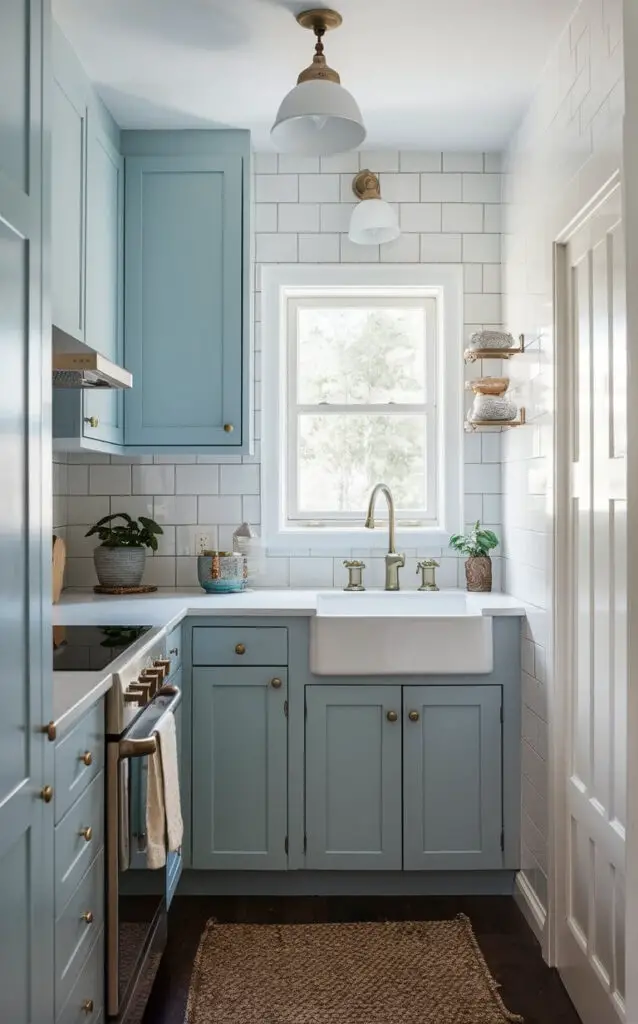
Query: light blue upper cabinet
[(452, 795), (353, 777), (187, 291)]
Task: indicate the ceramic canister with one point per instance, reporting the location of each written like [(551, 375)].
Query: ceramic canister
[(222, 572)]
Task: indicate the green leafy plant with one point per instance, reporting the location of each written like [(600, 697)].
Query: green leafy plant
[(133, 533), (475, 544)]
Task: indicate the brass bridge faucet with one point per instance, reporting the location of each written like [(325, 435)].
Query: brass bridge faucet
[(393, 561)]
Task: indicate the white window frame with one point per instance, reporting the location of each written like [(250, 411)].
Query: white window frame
[(441, 282)]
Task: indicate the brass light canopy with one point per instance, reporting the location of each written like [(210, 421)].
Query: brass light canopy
[(318, 117), (373, 221)]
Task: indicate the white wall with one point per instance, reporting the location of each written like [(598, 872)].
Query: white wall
[(567, 147), (450, 212)]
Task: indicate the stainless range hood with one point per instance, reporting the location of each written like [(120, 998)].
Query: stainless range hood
[(76, 365)]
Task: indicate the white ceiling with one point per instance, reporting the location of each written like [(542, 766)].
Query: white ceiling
[(453, 74)]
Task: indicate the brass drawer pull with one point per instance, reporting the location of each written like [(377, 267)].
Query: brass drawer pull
[(87, 758), (88, 917), (228, 427), (392, 716), (87, 1006), (92, 421), (46, 794), (276, 682), (413, 716), (86, 833), (240, 649)]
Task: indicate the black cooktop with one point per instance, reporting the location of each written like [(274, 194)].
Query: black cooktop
[(91, 648)]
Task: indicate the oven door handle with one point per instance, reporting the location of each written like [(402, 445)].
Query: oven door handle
[(147, 745)]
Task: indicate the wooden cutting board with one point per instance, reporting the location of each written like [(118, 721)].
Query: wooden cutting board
[(57, 568)]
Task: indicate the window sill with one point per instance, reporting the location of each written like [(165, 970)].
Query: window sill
[(336, 541)]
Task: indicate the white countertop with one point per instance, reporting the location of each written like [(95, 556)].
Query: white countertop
[(75, 692)]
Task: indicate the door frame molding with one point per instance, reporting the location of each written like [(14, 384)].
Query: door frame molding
[(559, 720)]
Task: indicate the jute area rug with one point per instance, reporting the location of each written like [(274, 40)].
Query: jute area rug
[(429, 972)]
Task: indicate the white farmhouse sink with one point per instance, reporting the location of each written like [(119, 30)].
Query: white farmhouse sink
[(383, 633)]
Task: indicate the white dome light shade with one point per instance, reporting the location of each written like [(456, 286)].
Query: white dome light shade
[(318, 118), (373, 222)]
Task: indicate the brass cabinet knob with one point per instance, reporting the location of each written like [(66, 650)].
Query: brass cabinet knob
[(87, 916), (228, 427), (87, 758), (87, 1006), (86, 833), (92, 421), (174, 650), (413, 716), (276, 682), (47, 794), (392, 716), (240, 649)]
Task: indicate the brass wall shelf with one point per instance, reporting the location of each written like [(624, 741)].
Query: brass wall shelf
[(472, 425)]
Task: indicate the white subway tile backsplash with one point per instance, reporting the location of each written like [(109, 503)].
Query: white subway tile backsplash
[(110, 479), (311, 572), (154, 479), (159, 571), (78, 479), (265, 163), (481, 188), (377, 160), (463, 162), (200, 479), (292, 163), (399, 188), (404, 249), (218, 509), (415, 160), (472, 278), (440, 248), (276, 188), (186, 572), (276, 248), (340, 163), (492, 163), (322, 248), (420, 216), (265, 217), (481, 248), (493, 216), (251, 509), (441, 188), (239, 480), (319, 188), (483, 479), (175, 509), (353, 253), (186, 538), (482, 309), (491, 277), (299, 217), (335, 216), (462, 217)]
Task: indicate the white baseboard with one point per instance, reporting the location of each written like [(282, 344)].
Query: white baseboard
[(530, 906)]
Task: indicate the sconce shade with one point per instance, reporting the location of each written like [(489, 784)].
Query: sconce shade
[(373, 222), (318, 118)]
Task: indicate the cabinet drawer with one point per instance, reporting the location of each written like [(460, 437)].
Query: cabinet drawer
[(236, 645), (74, 934), (174, 647), (75, 846), (86, 1001), (84, 743)]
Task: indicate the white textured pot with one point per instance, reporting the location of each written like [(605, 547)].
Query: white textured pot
[(119, 567)]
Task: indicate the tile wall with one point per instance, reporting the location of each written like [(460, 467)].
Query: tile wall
[(564, 149), (450, 211)]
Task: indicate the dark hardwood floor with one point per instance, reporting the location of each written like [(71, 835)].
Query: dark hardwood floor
[(528, 986)]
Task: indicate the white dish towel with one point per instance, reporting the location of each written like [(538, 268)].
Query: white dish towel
[(164, 825)]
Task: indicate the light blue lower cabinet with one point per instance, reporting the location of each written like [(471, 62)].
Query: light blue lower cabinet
[(239, 768), (353, 777), (452, 778)]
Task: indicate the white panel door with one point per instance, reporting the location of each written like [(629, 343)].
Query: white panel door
[(593, 637)]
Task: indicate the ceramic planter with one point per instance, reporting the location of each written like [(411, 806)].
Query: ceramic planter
[(119, 567), (478, 573)]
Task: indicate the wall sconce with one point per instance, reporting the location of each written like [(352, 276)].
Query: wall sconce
[(373, 220)]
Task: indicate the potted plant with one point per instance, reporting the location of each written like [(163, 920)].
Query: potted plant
[(476, 544), (121, 556)]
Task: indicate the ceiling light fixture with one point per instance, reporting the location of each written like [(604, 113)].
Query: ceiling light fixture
[(373, 220), (318, 117)]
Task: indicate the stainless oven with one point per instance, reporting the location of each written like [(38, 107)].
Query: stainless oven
[(137, 898)]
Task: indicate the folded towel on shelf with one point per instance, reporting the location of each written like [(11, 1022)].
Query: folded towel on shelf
[(164, 824)]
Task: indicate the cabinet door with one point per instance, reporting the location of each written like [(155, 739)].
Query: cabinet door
[(353, 777), (183, 300), (68, 191), (26, 822), (452, 777), (239, 798), (104, 298)]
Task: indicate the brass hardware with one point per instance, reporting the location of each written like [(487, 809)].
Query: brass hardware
[(393, 561), (427, 567), (168, 690), (87, 1006), (87, 758), (86, 833), (174, 650), (240, 649), (132, 698), (392, 716), (319, 20), (228, 427), (276, 682), (137, 748), (50, 731), (142, 690), (152, 678), (88, 917), (92, 421), (47, 794), (472, 354), (355, 574), (413, 716), (365, 185), (163, 665), (471, 425)]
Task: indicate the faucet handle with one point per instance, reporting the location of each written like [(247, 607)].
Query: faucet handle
[(355, 574), (427, 567)]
